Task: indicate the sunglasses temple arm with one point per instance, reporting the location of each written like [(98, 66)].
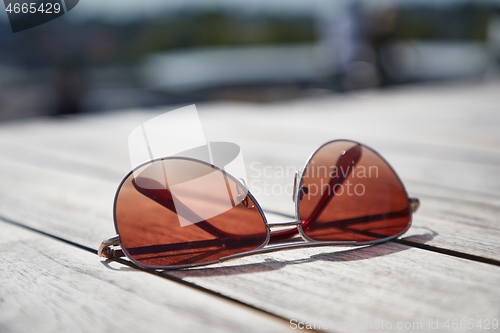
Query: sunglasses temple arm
[(168, 200), (348, 159), (277, 236), (328, 195), (106, 250)]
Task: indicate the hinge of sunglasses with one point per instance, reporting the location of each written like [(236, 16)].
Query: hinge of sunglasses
[(106, 251), (295, 184), (298, 194), (414, 204)]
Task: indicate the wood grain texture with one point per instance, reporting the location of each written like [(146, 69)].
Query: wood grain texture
[(79, 207), (419, 131), (385, 283), (60, 177), (49, 286)]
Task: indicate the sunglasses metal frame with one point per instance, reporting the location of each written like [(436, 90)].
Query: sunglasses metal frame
[(108, 248)]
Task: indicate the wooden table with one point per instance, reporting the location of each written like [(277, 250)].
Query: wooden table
[(58, 178)]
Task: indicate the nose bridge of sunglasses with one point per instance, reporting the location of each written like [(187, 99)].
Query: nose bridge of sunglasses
[(284, 230)]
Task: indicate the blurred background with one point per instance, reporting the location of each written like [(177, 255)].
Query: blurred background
[(116, 54)]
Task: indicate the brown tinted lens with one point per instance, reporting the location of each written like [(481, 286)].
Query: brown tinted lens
[(182, 212), (349, 193)]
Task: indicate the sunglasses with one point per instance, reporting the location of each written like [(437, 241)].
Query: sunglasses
[(178, 212)]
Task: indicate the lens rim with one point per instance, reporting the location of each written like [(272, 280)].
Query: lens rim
[(268, 229), (299, 186), (262, 248)]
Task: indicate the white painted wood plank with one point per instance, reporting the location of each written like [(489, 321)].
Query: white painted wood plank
[(280, 136), (79, 207), (49, 286), (388, 283), (423, 133), (66, 204)]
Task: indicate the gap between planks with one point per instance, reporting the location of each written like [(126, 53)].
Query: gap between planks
[(180, 276), (408, 243), (47, 286), (158, 273)]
